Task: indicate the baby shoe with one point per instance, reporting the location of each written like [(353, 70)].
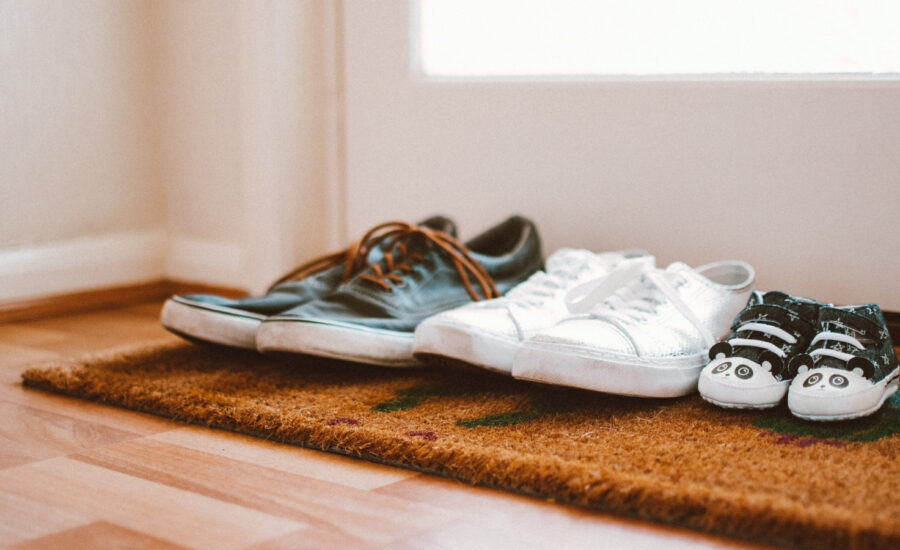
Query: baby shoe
[(233, 322), (647, 337), (849, 369), (488, 334), (371, 319), (750, 370)]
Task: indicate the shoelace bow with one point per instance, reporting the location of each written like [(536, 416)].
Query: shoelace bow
[(398, 234), (354, 257), (628, 293)]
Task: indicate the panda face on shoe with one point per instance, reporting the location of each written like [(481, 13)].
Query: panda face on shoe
[(831, 380), (738, 371)]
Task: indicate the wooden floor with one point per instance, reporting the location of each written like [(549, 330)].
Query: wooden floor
[(75, 474)]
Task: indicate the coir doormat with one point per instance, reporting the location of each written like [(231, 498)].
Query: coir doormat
[(761, 476)]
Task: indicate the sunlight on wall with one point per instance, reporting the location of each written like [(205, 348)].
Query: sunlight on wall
[(645, 37)]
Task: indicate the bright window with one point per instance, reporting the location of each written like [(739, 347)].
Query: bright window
[(658, 37)]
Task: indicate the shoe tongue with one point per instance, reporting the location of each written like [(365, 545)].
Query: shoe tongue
[(805, 308), (776, 298), (870, 312), (440, 223), (564, 258), (680, 267), (684, 270)]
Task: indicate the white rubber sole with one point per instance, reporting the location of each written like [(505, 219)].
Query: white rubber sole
[(734, 397), (467, 345), (346, 342), (829, 408), (210, 323), (741, 406), (589, 369)]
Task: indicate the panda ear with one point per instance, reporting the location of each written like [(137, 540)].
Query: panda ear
[(800, 363), (720, 350), (861, 366), (771, 362)]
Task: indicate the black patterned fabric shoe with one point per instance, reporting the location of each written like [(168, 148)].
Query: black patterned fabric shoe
[(371, 319), (233, 322), (850, 368), (751, 369)]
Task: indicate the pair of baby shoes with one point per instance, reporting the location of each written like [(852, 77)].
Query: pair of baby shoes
[(832, 362)]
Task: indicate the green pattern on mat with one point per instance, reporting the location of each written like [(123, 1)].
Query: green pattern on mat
[(502, 419), (884, 423), (412, 397), (549, 404)]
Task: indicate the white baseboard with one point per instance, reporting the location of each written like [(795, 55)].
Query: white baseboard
[(206, 261), (81, 264)]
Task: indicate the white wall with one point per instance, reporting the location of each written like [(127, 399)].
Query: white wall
[(212, 141), (78, 188), (242, 91), (800, 179), (151, 138)]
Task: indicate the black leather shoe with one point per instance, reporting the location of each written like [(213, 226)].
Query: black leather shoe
[(371, 319), (233, 322)]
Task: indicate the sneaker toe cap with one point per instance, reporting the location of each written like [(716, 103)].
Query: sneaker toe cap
[(738, 372), (492, 321)]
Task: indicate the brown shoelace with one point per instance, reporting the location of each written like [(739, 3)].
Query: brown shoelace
[(355, 257), (350, 257), (398, 233)]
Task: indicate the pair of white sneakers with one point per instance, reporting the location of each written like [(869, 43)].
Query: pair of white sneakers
[(610, 322)]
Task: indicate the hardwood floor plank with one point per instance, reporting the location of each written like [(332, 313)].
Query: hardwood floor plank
[(468, 535), (28, 434), (551, 524), (99, 534), (24, 519), (89, 323), (89, 411), (316, 538), (342, 470), (63, 485), (87, 333), (35, 337), (149, 310), (15, 358), (359, 513)]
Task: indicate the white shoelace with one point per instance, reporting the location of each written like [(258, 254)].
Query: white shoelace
[(548, 285), (837, 354), (757, 343), (630, 293)]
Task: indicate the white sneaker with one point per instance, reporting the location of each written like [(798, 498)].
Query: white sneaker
[(488, 334), (647, 338)]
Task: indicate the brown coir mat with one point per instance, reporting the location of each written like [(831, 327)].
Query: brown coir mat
[(761, 476)]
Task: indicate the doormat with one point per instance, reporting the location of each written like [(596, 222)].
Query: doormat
[(761, 476)]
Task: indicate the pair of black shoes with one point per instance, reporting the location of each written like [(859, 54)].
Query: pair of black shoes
[(832, 362), (364, 303)]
